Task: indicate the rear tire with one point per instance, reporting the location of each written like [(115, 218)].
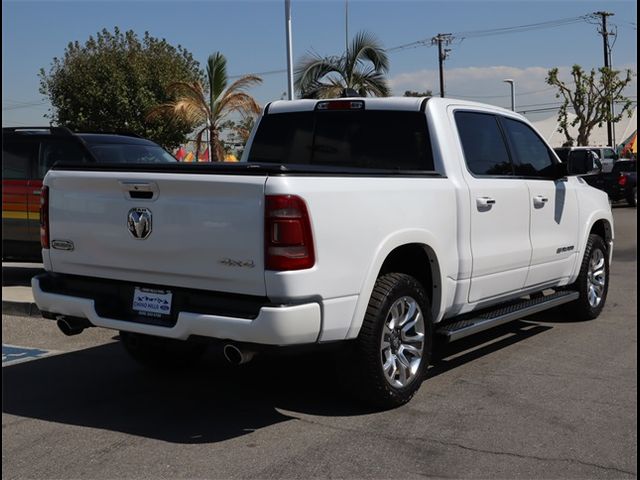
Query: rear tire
[(385, 366), (632, 199), (161, 353), (592, 282)]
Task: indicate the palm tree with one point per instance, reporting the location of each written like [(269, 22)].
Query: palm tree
[(207, 107), (362, 68)]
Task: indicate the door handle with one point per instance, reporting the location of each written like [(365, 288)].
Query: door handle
[(37, 192), (540, 200), (485, 202)]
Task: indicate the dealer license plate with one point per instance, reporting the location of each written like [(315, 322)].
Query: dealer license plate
[(152, 303)]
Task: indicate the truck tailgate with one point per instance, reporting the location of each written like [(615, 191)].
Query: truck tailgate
[(206, 230)]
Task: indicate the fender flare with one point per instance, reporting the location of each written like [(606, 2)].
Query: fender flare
[(398, 239), (593, 218)]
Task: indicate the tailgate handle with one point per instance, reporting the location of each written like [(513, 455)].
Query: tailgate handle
[(139, 190), (139, 194)]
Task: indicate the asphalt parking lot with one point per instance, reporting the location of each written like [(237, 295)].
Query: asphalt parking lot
[(544, 397)]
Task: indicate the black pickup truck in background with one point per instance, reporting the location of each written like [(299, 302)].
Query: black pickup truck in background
[(620, 183)]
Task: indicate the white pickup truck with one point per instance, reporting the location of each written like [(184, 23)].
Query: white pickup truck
[(383, 224)]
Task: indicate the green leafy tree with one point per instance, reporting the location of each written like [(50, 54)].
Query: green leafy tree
[(589, 96), (237, 134), (362, 68), (110, 82), (411, 93), (206, 107)]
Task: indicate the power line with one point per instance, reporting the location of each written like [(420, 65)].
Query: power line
[(522, 28), (521, 94), (428, 42), (25, 105)]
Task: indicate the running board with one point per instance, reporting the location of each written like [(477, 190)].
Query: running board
[(504, 314)]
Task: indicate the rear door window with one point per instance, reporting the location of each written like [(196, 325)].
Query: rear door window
[(485, 150), (17, 159), (54, 151), (368, 139)]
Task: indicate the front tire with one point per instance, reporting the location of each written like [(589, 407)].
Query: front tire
[(161, 353), (592, 282), (389, 359)]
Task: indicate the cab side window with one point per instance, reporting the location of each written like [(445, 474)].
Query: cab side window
[(531, 156), (59, 151), (485, 151), (17, 158)]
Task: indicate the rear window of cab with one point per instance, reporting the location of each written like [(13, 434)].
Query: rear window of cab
[(370, 139)]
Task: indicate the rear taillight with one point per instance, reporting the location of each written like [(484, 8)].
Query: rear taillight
[(622, 180), (44, 217), (288, 242)]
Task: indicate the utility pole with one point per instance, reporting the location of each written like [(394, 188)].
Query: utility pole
[(346, 28), (287, 14), (442, 39), (607, 53)]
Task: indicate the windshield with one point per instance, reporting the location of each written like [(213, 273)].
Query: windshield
[(130, 153), (371, 139)]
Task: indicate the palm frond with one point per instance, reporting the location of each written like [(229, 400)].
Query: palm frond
[(365, 46), (236, 102), (311, 69), (371, 83), (244, 82), (217, 75)]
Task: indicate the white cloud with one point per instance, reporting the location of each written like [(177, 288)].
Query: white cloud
[(485, 84)]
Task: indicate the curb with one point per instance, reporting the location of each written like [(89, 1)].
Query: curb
[(21, 309)]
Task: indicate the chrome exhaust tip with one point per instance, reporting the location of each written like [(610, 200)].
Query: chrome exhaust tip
[(70, 326), (237, 356)]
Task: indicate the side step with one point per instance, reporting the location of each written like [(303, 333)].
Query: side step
[(503, 314)]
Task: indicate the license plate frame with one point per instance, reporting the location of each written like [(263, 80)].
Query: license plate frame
[(152, 303)]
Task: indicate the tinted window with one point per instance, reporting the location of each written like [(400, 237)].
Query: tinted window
[(59, 151), (563, 153), (484, 148), (363, 139), (624, 166), (130, 153), (17, 158), (608, 153), (531, 157)]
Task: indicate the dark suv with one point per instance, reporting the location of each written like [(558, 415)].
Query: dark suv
[(29, 152)]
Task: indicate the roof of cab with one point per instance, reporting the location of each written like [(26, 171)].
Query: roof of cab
[(383, 103)]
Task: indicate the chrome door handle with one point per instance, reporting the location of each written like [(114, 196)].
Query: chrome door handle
[(540, 200), (37, 192), (485, 202)]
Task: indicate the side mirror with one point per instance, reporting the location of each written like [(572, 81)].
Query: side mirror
[(583, 162)]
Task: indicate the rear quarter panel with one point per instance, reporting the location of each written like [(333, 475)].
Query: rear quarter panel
[(356, 223)]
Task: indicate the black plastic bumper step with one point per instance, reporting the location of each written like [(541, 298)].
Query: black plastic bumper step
[(503, 314)]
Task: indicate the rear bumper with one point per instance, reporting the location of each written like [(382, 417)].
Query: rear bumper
[(273, 324)]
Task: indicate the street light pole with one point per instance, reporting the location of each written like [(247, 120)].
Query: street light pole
[(513, 92), (287, 11)]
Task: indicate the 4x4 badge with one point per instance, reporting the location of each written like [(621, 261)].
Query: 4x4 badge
[(139, 222)]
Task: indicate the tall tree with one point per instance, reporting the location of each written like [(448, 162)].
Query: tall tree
[(109, 82), (362, 68), (206, 107), (590, 97), (237, 134)]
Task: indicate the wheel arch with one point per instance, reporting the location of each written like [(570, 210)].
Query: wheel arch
[(414, 253), (601, 224)]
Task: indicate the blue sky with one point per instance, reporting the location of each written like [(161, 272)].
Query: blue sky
[(251, 35)]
